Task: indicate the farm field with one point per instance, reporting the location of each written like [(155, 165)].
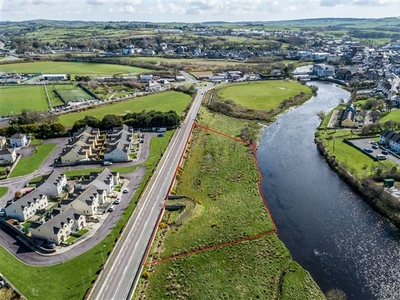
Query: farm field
[(263, 95), (229, 207), (162, 102), (16, 98), (70, 68)]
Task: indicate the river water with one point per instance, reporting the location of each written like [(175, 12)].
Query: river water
[(328, 228)]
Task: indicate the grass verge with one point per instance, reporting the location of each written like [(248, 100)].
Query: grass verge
[(27, 165), (3, 191)]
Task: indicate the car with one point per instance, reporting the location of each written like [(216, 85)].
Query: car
[(375, 147), (368, 150), (126, 190), (107, 163), (384, 152), (111, 208), (380, 157), (117, 201)]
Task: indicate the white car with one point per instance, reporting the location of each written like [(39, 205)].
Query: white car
[(111, 208), (125, 191), (117, 201)]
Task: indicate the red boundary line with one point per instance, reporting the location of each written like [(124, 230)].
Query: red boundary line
[(222, 244)]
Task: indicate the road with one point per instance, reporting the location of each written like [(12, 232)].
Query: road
[(122, 270)]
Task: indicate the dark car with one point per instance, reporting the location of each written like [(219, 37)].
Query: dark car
[(384, 152), (375, 147), (368, 150)]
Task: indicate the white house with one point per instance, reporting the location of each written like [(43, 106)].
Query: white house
[(323, 70), (59, 227), (25, 207), (7, 156), (54, 184), (117, 152), (391, 138), (3, 142), (18, 140), (106, 180), (86, 203)]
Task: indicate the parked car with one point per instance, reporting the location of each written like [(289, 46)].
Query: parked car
[(368, 150), (384, 152), (126, 191), (111, 208), (375, 147), (107, 163), (117, 201), (380, 157)]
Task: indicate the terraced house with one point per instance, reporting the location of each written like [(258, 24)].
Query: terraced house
[(119, 144), (27, 206)]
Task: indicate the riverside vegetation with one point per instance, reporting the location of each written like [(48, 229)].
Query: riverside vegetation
[(220, 175)]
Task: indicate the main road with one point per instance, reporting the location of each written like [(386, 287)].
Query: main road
[(122, 270)]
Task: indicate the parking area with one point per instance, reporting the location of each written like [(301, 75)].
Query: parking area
[(372, 148)]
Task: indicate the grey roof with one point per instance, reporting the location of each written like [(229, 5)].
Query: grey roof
[(26, 200)]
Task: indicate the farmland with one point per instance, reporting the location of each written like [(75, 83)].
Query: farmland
[(162, 102), (70, 68), (263, 95), (16, 98)]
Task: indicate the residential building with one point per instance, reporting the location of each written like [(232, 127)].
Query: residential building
[(390, 138), (75, 154), (349, 116), (105, 180), (54, 185), (323, 70), (7, 156), (18, 140), (3, 142), (59, 227), (25, 207), (87, 202)]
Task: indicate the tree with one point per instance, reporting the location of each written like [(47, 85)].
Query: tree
[(58, 129), (375, 115), (18, 194), (321, 114), (110, 121)]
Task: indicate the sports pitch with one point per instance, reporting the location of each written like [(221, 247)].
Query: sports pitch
[(71, 93)]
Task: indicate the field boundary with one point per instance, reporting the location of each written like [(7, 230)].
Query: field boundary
[(228, 243)]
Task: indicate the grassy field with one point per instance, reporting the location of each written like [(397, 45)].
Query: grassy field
[(162, 101), (16, 98), (229, 207), (394, 115), (72, 278), (72, 93), (70, 68), (263, 95), (3, 191), (357, 162), (29, 164)]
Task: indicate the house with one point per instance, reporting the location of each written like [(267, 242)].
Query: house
[(105, 180), (87, 202), (349, 116), (25, 207), (18, 140), (323, 70), (153, 86), (54, 185), (217, 78), (145, 77), (391, 138), (117, 152), (7, 156), (57, 229), (75, 154)]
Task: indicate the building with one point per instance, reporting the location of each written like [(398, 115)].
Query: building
[(391, 138), (87, 202), (7, 156), (54, 77), (18, 140), (145, 77), (75, 154), (349, 116), (323, 70), (25, 207), (3, 142), (59, 227), (54, 185), (106, 180), (119, 144)]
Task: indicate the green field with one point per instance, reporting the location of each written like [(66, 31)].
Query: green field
[(70, 68), (14, 99), (394, 115), (262, 95), (161, 102), (71, 93), (3, 191), (29, 164), (229, 207)]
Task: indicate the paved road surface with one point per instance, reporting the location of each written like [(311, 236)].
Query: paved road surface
[(121, 272)]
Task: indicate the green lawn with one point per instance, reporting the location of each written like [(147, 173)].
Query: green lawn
[(394, 115), (14, 99), (161, 101), (229, 207), (3, 190), (70, 68), (29, 164), (262, 95)]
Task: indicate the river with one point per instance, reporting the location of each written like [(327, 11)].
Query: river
[(328, 228)]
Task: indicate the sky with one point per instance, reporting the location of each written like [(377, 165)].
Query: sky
[(194, 10)]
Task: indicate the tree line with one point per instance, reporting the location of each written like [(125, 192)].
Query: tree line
[(139, 120)]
